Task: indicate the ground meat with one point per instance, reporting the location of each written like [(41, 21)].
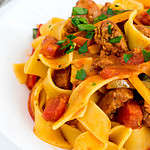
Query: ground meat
[(103, 61), (144, 18), (145, 30), (62, 78), (93, 9), (69, 28), (146, 115), (102, 38), (115, 99), (105, 8), (130, 115)]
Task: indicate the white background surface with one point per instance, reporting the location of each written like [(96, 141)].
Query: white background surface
[(16, 22)]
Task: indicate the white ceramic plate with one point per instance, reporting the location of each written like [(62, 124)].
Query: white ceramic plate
[(16, 22)]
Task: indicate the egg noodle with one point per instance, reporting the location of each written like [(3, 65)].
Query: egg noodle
[(89, 77)]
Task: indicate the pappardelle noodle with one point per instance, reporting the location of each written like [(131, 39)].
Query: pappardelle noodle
[(89, 77)]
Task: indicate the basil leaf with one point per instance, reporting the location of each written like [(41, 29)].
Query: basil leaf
[(148, 11), (67, 46), (115, 39), (79, 11), (89, 35), (81, 74), (86, 27), (61, 42), (100, 18), (109, 29), (146, 55), (71, 37), (35, 32), (79, 20), (84, 48), (116, 12), (71, 50), (127, 57), (110, 11)]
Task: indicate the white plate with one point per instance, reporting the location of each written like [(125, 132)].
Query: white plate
[(16, 22)]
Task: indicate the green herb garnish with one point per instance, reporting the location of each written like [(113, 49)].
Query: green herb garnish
[(86, 27), (79, 11), (110, 11), (109, 29), (83, 49), (148, 11), (61, 42), (93, 84), (49, 26), (79, 20), (115, 39), (116, 12), (146, 55), (71, 37), (35, 32), (100, 18), (127, 57), (71, 49), (81, 74), (89, 35)]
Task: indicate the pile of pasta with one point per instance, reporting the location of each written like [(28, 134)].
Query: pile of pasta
[(96, 131)]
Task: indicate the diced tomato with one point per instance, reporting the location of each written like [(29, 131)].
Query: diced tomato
[(111, 71), (130, 115), (31, 80), (136, 59), (55, 107), (38, 34), (31, 111), (50, 48), (81, 40)]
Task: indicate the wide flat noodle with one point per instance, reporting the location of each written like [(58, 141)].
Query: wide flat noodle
[(112, 146), (139, 139), (70, 133), (19, 72), (100, 126), (34, 66), (87, 141), (57, 30), (146, 3), (136, 39), (46, 28), (38, 41), (57, 63), (51, 89), (140, 87), (130, 4), (42, 128), (119, 135), (80, 97)]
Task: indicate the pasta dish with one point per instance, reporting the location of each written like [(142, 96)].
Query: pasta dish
[(89, 77)]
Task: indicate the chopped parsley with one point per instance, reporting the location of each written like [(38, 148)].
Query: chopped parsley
[(116, 39), (100, 18), (35, 32), (79, 20), (49, 26), (127, 57), (89, 35), (61, 42), (109, 29), (148, 11), (79, 11), (81, 74), (83, 49), (71, 49), (86, 27), (146, 55), (110, 11), (93, 84), (71, 37)]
